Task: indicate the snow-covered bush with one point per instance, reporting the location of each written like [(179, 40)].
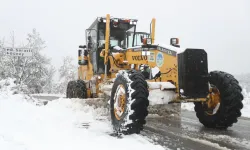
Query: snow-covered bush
[(9, 86)]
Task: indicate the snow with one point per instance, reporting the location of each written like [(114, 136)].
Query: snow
[(118, 48), (161, 85), (167, 85), (246, 109), (229, 139), (158, 96), (155, 71), (61, 124), (170, 47), (154, 85), (7, 85), (205, 142), (158, 93), (187, 106), (47, 94), (245, 112)]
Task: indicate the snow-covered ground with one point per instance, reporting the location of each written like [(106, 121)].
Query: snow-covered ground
[(65, 124), (46, 94), (246, 102), (187, 106)]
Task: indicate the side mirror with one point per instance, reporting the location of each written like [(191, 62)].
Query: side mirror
[(174, 42), (147, 41), (82, 46), (79, 56)]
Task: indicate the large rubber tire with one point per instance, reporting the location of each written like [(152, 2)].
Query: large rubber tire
[(76, 89), (133, 118), (70, 89), (230, 104), (80, 90)]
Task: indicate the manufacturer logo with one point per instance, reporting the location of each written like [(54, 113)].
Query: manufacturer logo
[(159, 59), (139, 58)]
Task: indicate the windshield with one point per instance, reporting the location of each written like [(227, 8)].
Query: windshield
[(137, 36), (114, 41), (117, 35)]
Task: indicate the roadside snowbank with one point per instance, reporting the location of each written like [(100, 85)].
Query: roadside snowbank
[(7, 86), (61, 124), (46, 94), (187, 106), (246, 102)]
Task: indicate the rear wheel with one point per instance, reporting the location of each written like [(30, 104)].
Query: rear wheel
[(129, 102), (70, 89), (224, 104), (80, 90), (76, 89)]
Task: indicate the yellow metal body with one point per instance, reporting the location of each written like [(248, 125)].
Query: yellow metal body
[(129, 58), (107, 39), (153, 31), (134, 58)]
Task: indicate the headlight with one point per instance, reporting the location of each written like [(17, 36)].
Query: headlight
[(174, 41)]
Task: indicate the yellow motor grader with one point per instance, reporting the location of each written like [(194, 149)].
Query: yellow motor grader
[(136, 70)]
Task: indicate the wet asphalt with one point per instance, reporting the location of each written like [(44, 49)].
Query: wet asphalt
[(186, 132)]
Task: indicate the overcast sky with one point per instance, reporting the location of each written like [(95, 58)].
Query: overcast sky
[(221, 27)]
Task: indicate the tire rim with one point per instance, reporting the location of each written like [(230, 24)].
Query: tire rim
[(213, 104), (119, 101)]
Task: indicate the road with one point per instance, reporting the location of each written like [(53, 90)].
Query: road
[(185, 132)]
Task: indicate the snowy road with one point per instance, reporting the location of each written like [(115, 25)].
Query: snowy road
[(187, 133)]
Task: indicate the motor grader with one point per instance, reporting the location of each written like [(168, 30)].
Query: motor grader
[(136, 70)]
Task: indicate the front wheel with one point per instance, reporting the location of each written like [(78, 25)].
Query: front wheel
[(129, 102), (224, 104)]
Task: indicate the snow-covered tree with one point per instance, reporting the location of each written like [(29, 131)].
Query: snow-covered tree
[(31, 71), (49, 86), (68, 72)]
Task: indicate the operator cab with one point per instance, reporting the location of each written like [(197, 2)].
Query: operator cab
[(122, 33)]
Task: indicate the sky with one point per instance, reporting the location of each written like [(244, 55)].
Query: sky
[(221, 27)]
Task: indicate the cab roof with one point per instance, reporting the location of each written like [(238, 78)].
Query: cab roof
[(100, 19)]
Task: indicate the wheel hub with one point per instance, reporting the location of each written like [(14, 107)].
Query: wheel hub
[(119, 101), (214, 100)]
